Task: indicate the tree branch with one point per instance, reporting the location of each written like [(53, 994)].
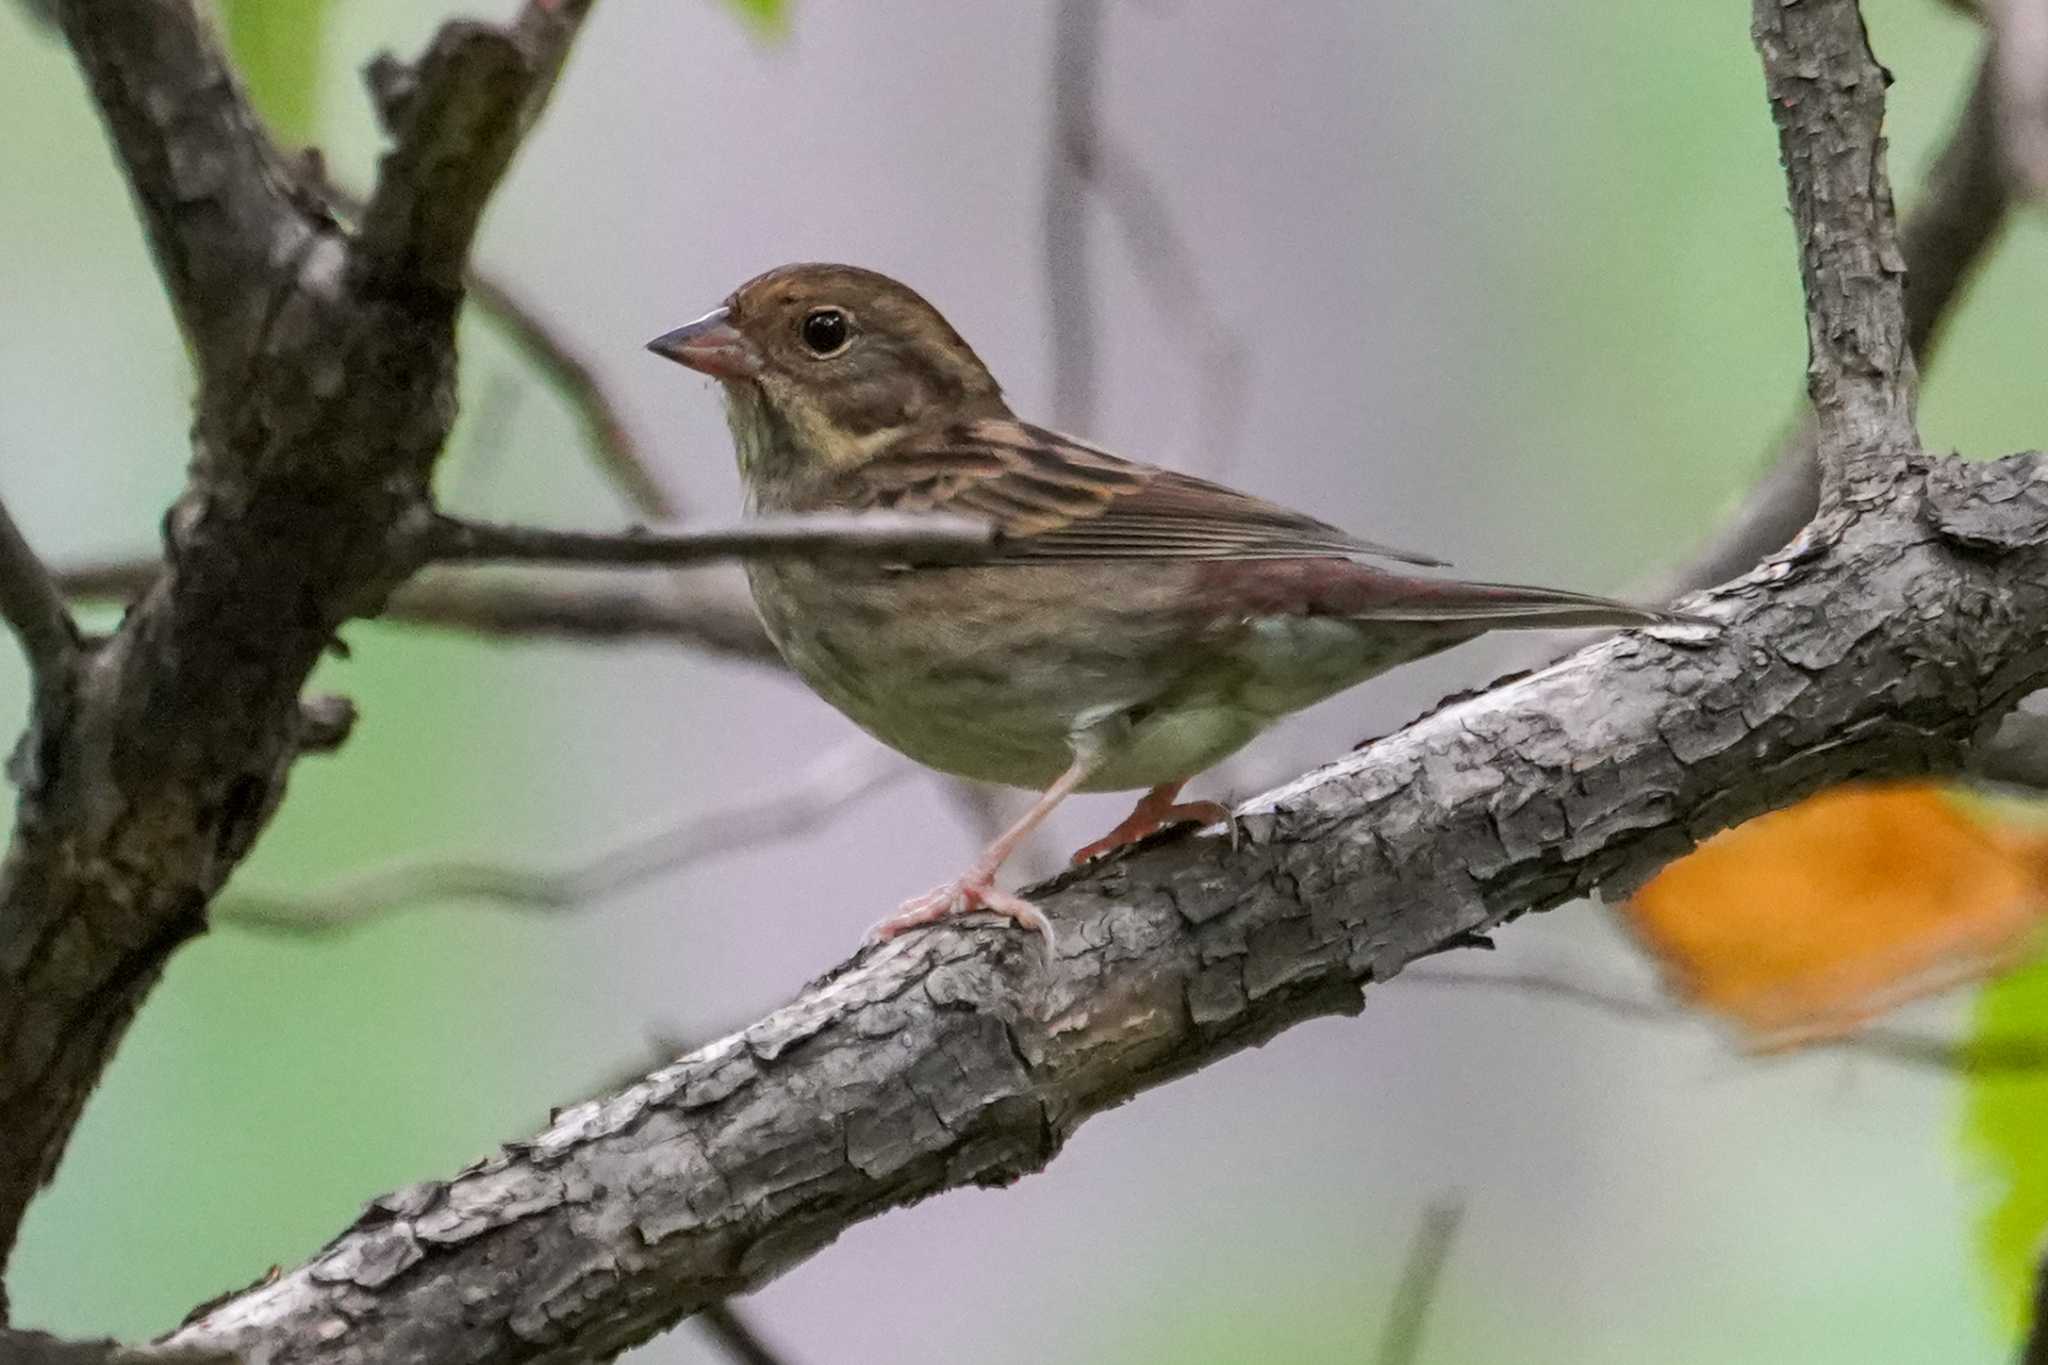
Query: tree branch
[(618, 453), (222, 217), (1070, 287), (958, 1057), (456, 117), (325, 392), (1401, 1339), (1961, 211), (34, 610), (862, 535), (1827, 97), (2014, 1056), (833, 783), (516, 605)]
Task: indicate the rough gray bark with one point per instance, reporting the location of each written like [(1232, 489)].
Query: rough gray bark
[(326, 366), (1894, 635), (959, 1057)]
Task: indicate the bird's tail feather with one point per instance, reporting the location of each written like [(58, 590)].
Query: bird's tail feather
[(1505, 606)]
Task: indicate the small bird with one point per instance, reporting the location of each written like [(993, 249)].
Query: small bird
[(1131, 627)]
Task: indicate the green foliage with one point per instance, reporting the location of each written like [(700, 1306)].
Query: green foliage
[(2004, 1120), (768, 18), (276, 45)]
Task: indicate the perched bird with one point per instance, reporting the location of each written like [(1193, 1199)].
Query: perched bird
[(1133, 625)]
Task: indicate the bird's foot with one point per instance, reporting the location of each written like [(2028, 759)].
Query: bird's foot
[(963, 897), (1155, 811)]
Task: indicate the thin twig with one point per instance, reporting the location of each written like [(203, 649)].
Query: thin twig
[(1069, 272), (735, 1336), (1421, 1276), (501, 604), (1974, 1057), (620, 455), (1085, 157), (863, 535), (33, 607), (1165, 265), (835, 782)]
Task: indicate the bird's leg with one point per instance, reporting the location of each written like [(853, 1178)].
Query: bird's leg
[(1155, 810), (976, 889)]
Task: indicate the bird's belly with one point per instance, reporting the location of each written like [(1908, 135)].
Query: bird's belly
[(992, 676), (991, 683)]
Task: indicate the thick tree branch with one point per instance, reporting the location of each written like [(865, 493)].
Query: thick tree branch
[(456, 117), (1827, 97), (861, 535), (222, 217), (960, 1057), (325, 392)]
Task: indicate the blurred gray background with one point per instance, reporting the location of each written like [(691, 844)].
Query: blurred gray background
[(1514, 283)]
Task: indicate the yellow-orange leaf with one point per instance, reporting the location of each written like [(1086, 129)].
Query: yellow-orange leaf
[(1802, 924)]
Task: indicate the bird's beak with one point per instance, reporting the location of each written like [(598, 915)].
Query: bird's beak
[(712, 346)]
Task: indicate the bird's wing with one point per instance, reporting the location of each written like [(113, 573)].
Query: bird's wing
[(1055, 498)]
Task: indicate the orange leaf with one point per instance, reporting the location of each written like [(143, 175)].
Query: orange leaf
[(1803, 924)]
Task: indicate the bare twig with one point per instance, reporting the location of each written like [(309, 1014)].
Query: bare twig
[(1165, 265), (736, 1336), (522, 604), (35, 612), (2020, 51), (2017, 753), (1970, 1057), (619, 453), (40, 1348), (1085, 157), (864, 535), (325, 723), (1069, 272), (1401, 1340), (835, 782)]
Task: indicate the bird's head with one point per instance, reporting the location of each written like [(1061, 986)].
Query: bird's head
[(823, 365)]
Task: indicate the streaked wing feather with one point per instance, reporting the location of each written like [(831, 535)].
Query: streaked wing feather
[(1056, 498)]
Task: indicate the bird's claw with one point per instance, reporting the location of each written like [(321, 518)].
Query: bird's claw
[(1146, 821), (963, 897)]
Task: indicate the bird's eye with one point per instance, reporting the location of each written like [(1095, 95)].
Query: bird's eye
[(825, 331)]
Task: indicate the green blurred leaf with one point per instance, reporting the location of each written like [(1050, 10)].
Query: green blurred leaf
[(768, 18), (276, 46), (2006, 1130)]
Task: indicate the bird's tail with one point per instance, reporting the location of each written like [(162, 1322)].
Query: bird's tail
[(1505, 606)]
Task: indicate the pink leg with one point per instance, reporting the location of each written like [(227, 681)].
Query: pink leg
[(1155, 811), (976, 889)]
